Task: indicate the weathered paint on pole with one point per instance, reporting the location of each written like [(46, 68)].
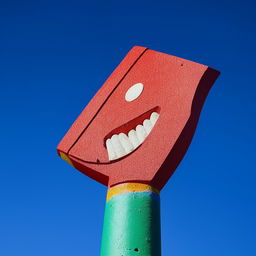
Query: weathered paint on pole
[(132, 221)]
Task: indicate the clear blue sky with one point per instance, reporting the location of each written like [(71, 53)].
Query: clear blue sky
[(55, 55)]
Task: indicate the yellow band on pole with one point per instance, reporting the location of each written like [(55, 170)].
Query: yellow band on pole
[(130, 188)]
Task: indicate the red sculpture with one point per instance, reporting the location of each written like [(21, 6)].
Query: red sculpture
[(140, 123)]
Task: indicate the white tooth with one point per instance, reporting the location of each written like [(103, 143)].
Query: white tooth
[(118, 148), (147, 125), (127, 145), (133, 138), (141, 133), (153, 118), (110, 148)]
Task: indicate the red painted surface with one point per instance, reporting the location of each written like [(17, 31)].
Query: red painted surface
[(174, 87)]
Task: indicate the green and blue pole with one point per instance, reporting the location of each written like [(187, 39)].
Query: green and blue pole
[(132, 221)]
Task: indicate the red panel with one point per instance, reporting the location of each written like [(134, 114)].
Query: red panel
[(174, 87)]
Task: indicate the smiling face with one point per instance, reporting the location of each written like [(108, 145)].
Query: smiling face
[(139, 125), (129, 136)]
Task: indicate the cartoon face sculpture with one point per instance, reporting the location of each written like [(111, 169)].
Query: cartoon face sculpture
[(140, 123)]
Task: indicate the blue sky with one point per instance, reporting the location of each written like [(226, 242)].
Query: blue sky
[(55, 55)]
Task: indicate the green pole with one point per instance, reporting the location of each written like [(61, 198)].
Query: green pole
[(132, 221)]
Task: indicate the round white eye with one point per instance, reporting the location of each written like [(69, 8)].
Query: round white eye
[(134, 92)]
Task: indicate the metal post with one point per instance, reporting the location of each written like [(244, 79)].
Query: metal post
[(132, 221)]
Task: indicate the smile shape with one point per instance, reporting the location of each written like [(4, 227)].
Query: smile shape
[(120, 145)]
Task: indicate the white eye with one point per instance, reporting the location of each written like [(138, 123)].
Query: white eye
[(134, 92)]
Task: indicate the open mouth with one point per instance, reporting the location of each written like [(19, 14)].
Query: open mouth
[(126, 138)]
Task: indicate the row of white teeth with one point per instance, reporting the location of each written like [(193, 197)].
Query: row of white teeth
[(120, 144)]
